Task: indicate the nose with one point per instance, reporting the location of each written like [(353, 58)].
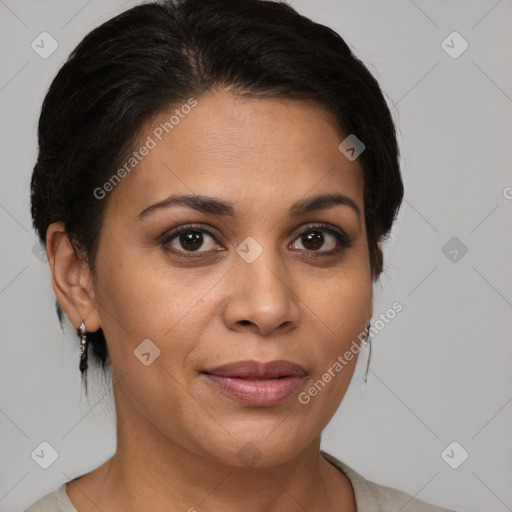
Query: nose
[(262, 297)]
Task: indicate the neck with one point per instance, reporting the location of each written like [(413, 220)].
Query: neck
[(151, 471)]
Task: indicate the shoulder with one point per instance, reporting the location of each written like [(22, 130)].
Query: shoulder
[(56, 501), (373, 497)]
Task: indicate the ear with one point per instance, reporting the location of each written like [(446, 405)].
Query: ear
[(370, 313), (71, 279)]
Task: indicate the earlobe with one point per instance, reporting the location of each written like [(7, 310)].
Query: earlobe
[(71, 279), (370, 314)]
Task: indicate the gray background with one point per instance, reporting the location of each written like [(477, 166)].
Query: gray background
[(440, 370)]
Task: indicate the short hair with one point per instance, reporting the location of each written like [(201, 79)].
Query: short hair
[(157, 55)]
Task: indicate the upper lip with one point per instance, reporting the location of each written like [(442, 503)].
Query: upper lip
[(255, 369)]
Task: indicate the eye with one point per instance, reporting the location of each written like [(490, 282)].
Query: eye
[(313, 238), (190, 239), (187, 240)]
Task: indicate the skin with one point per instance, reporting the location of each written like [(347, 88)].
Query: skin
[(178, 436)]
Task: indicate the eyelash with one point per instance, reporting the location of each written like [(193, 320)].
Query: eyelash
[(343, 241)]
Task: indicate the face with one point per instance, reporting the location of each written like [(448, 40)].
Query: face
[(255, 276)]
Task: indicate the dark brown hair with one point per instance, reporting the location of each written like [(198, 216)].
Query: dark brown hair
[(159, 54)]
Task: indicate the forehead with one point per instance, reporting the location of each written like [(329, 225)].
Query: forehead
[(259, 152)]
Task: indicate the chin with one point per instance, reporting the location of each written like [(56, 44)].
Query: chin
[(255, 448)]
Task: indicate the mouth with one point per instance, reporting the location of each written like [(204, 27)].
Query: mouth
[(257, 384)]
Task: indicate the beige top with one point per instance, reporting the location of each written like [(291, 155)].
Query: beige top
[(370, 496)]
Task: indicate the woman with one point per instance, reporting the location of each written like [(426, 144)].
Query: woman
[(213, 184)]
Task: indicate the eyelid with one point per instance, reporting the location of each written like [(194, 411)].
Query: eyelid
[(323, 226), (173, 233), (344, 241)]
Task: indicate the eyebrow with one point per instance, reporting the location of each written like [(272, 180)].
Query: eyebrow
[(211, 205)]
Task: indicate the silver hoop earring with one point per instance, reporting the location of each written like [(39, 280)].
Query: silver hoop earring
[(84, 344), (368, 340)]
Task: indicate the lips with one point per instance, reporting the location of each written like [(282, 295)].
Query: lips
[(257, 384), (256, 370)]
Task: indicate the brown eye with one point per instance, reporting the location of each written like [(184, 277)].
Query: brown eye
[(314, 238), (190, 239)]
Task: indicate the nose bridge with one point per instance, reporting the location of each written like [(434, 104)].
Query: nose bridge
[(259, 265), (262, 294)]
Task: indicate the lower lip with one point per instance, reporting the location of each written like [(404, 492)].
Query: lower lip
[(257, 393)]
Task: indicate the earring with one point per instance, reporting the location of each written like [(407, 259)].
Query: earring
[(84, 343), (368, 340)]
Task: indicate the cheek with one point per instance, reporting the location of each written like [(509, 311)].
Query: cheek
[(139, 301), (344, 302), (343, 306)]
